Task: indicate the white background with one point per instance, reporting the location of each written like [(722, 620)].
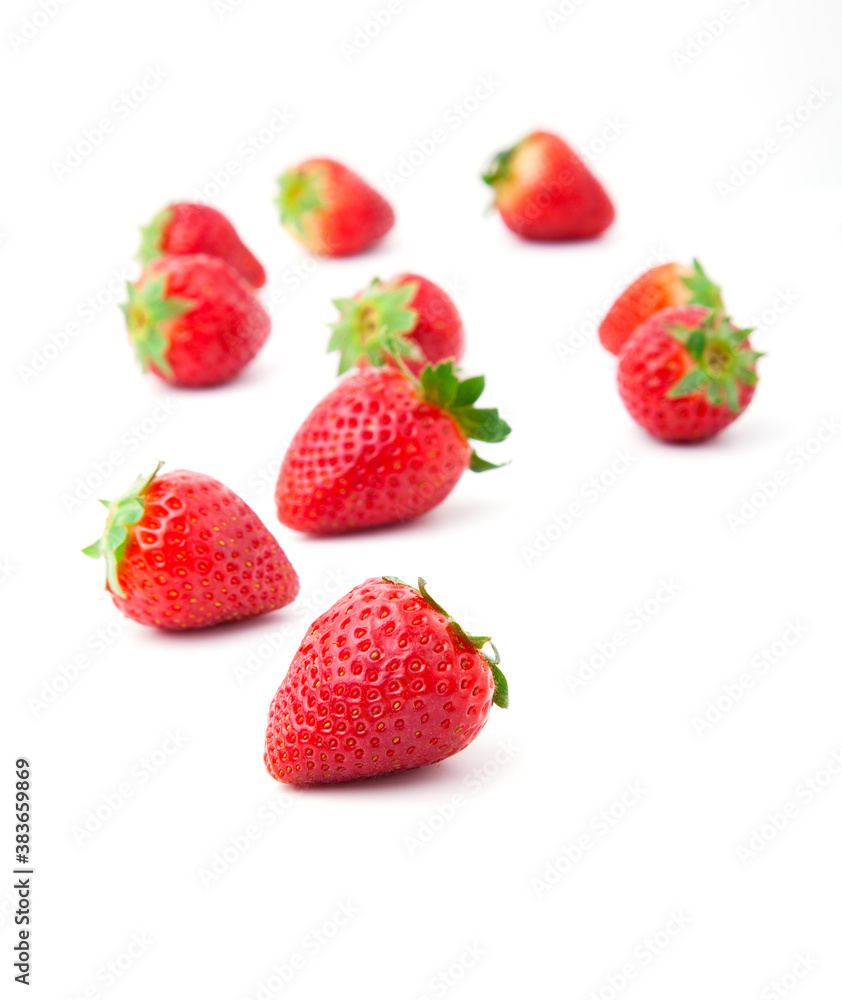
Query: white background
[(608, 68)]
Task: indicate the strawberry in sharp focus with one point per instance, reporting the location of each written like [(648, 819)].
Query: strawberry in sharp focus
[(383, 681), (544, 191), (331, 210), (185, 228), (183, 551), (407, 315), (686, 373), (661, 287), (383, 447), (193, 320)]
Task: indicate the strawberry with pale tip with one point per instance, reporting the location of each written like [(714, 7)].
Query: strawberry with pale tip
[(544, 191), (331, 210)]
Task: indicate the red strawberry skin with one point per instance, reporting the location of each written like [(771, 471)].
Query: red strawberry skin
[(187, 228), (544, 191), (223, 329), (350, 215), (651, 363), (200, 556), (381, 683), (371, 453), (658, 288), (438, 332)]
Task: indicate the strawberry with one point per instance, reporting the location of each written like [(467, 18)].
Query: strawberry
[(193, 320), (407, 315), (545, 192), (383, 681), (185, 228), (331, 210), (183, 551), (686, 373), (661, 287), (383, 447)]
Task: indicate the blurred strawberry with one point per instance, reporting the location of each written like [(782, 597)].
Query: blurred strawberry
[(661, 287), (193, 320), (408, 316), (544, 191), (331, 210), (185, 228)]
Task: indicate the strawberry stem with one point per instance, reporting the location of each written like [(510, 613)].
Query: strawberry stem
[(299, 195), (123, 513), (374, 324), (704, 292), (152, 237), (721, 362), (440, 386), (147, 309)]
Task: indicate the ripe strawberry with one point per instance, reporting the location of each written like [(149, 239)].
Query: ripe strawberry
[(383, 447), (407, 315), (331, 210), (661, 287), (383, 681), (545, 192), (185, 228), (193, 320), (183, 551), (686, 373)]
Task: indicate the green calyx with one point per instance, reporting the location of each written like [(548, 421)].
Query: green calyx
[(299, 195), (147, 308), (440, 386), (374, 323), (703, 291), (501, 685), (721, 362), (152, 237), (123, 512), (501, 175), (500, 167)]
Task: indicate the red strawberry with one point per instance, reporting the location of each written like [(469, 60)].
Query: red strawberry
[(183, 551), (383, 681), (660, 287), (185, 228), (331, 210), (407, 315), (383, 447), (193, 320), (686, 373), (545, 192)]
